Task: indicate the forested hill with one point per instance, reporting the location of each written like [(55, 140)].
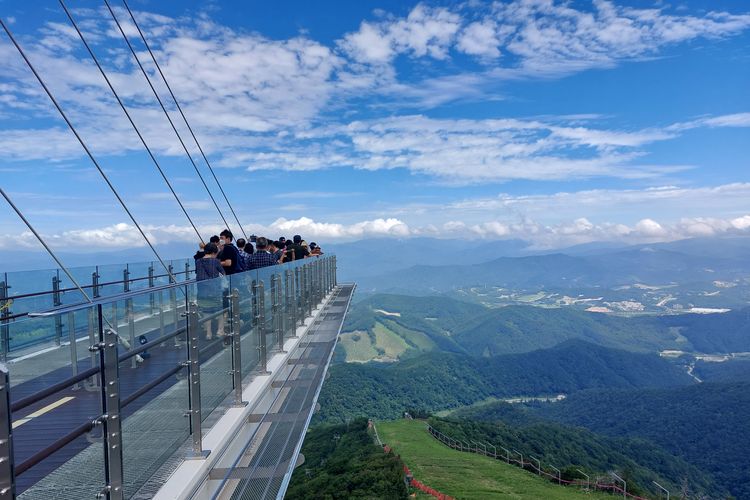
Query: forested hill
[(706, 424), (436, 381), (457, 326)]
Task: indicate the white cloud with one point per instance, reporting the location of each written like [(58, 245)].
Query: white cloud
[(552, 37), (426, 31), (265, 104), (741, 223), (649, 228), (369, 44), (480, 39), (540, 234), (125, 235)]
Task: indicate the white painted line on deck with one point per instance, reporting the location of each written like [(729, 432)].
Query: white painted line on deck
[(42, 411)]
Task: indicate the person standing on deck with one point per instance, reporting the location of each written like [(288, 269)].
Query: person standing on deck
[(229, 256), (210, 289)]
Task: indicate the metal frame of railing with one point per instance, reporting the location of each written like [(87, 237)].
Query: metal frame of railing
[(7, 317), (306, 286), (6, 300)]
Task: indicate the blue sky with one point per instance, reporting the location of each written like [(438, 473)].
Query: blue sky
[(554, 122)]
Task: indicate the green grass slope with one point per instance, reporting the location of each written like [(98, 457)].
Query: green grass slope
[(638, 461), (466, 475)]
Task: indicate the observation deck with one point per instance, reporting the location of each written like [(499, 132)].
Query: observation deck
[(180, 389)]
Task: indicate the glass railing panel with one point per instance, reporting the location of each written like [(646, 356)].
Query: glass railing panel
[(44, 350), (267, 276), (212, 304), (57, 416), (153, 392), (249, 352)]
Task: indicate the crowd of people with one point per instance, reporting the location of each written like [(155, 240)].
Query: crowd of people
[(221, 256)]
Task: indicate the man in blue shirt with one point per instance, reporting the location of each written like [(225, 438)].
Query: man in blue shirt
[(262, 257)]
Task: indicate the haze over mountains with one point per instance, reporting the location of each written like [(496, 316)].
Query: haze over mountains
[(488, 264)]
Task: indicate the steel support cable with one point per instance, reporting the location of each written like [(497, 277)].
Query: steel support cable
[(130, 119), (164, 109), (41, 240), (179, 108), (85, 148), (47, 247)]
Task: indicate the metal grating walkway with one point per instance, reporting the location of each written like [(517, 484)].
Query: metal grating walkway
[(265, 467)]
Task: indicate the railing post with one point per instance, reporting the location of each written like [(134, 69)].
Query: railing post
[(322, 264), (318, 282), (331, 271), (95, 283), (92, 340), (259, 317), (187, 270), (129, 314), (7, 474), (298, 304), (327, 271), (311, 295), (274, 305), (73, 346), (173, 298), (5, 313), (110, 393), (235, 324), (277, 320), (194, 380), (151, 283), (57, 302), (293, 301), (308, 292), (288, 321)]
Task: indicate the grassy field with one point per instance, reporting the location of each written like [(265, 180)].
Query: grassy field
[(466, 475), (421, 340), (357, 347), (391, 342)]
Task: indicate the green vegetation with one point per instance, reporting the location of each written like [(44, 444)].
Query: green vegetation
[(726, 371), (714, 333), (569, 448), (438, 381), (705, 424), (466, 475), (357, 347), (473, 329), (459, 354), (391, 344), (342, 461)]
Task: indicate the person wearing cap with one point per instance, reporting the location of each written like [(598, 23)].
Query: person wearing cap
[(315, 249)]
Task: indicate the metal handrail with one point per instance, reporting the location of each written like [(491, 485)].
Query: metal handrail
[(107, 299), (98, 285)]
